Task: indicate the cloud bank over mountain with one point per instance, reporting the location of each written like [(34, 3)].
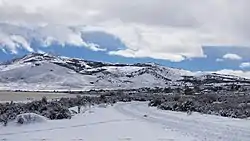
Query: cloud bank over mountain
[(192, 34), (176, 34)]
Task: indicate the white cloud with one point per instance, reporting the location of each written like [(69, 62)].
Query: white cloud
[(219, 60), (231, 56), (40, 51), (13, 42), (154, 42), (16, 36), (164, 29), (245, 65)]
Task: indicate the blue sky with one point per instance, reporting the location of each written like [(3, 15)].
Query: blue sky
[(111, 43), (195, 35)]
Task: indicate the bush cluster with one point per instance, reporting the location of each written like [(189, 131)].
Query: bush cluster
[(228, 106)]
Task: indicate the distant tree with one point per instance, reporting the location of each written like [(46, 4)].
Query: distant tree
[(188, 91), (197, 88), (176, 97), (44, 100), (235, 87), (167, 90), (103, 98), (178, 90)]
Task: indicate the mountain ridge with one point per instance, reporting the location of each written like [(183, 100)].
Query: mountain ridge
[(43, 71)]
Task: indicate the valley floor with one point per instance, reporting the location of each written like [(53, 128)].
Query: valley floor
[(128, 122), (7, 96)]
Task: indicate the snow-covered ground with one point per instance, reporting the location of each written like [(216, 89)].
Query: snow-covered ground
[(126, 122)]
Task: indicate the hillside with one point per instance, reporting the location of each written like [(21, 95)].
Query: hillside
[(47, 72)]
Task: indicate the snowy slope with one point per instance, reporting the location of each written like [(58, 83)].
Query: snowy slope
[(47, 72), (125, 122)]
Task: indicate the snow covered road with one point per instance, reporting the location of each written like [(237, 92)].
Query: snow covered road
[(202, 127), (126, 122)]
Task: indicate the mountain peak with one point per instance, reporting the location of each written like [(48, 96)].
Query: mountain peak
[(34, 57)]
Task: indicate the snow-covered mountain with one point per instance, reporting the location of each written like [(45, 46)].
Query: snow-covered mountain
[(47, 72)]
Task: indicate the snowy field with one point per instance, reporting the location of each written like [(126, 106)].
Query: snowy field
[(6, 96), (126, 122)]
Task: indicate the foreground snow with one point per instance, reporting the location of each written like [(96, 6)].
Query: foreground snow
[(29, 118), (126, 121)]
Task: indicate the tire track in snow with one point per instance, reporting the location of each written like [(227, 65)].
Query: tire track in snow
[(203, 130), (199, 124), (66, 127)]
